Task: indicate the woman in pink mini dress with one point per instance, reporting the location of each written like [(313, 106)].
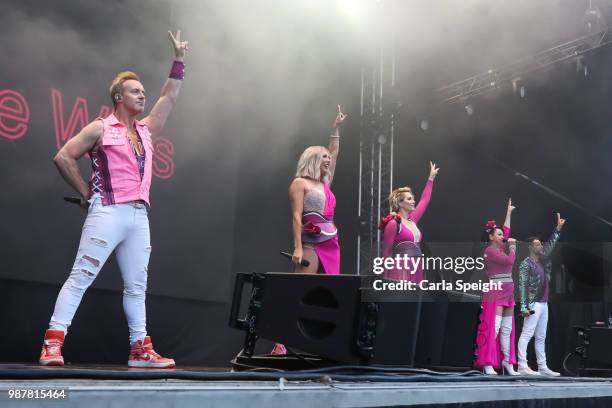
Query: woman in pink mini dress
[(495, 333), (315, 237)]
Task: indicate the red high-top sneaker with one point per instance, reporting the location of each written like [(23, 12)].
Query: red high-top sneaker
[(142, 355), (51, 353)]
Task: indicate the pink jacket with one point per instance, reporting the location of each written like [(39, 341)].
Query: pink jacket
[(115, 170)]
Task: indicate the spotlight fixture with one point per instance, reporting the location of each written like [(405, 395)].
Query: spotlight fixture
[(593, 19), (579, 64), (515, 84)]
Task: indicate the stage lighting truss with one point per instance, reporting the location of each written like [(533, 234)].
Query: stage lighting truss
[(379, 105), (573, 51)]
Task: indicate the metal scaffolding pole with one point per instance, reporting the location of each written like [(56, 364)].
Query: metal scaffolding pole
[(375, 149)]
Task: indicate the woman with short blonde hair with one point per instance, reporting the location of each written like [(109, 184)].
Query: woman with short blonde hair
[(312, 205), (315, 237), (397, 196), (309, 164)]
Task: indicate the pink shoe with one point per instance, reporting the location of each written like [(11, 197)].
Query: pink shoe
[(51, 353), (142, 355), (279, 350)]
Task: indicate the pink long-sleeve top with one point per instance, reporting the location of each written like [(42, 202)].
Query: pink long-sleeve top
[(391, 234), (497, 261)]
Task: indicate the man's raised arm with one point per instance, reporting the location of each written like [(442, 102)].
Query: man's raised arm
[(162, 108)]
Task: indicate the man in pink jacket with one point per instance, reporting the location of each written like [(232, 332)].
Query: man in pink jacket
[(117, 200)]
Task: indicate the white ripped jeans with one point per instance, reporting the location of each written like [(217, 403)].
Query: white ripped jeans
[(125, 229), (534, 324)]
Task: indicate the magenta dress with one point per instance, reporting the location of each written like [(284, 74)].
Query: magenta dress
[(399, 239), (319, 231), (498, 265)]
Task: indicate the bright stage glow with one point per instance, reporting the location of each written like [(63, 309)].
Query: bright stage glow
[(355, 10)]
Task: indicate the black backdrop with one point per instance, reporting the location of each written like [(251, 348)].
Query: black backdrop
[(260, 87)]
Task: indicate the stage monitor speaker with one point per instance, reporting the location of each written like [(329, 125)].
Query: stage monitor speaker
[(600, 339), (313, 313), (324, 315), (438, 331), (447, 333), (396, 333)]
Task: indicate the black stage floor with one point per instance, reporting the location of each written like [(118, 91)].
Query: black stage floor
[(94, 386)]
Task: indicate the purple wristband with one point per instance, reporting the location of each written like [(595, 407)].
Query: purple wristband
[(177, 71)]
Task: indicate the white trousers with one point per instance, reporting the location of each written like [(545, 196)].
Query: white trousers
[(534, 324), (123, 228)]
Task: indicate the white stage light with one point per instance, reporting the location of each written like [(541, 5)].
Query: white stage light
[(355, 10), (593, 19)]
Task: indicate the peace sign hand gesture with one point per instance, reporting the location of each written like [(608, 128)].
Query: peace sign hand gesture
[(179, 46), (433, 170)]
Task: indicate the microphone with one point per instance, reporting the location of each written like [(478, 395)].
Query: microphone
[(304, 262), (74, 200), (530, 312)]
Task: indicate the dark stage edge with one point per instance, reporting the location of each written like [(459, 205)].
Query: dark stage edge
[(524, 392)]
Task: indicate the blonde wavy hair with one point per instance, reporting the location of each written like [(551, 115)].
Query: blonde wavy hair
[(396, 196), (117, 84), (309, 165)]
